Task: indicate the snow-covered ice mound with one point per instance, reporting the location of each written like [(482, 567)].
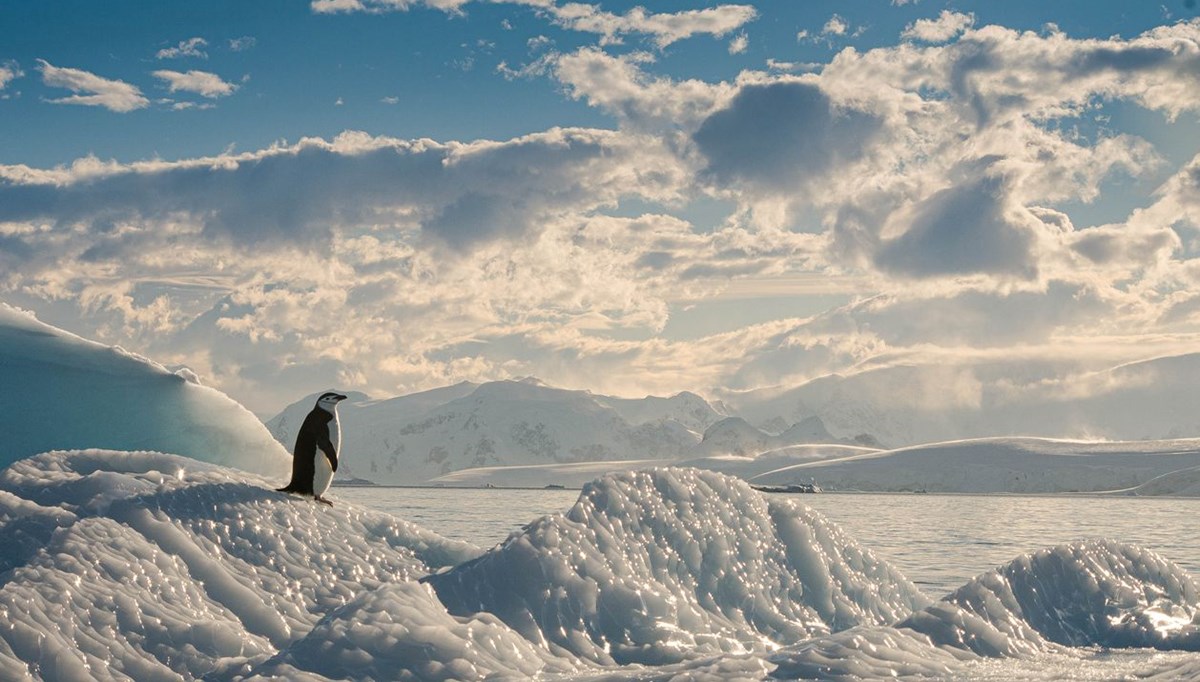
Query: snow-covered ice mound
[(75, 393), (1088, 594), (139, 565), (149, 566), (657, 566)]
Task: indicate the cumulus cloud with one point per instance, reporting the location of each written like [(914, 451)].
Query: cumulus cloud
[(92, 90), (777, 136), (947, 171), (739, 44), (947, 25), (192, 47), (971, 227), (836, 26)]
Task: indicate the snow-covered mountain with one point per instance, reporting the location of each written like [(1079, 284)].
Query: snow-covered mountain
[(62, 391), (988, 465), (414, 438), (735, 436), (911, 404)]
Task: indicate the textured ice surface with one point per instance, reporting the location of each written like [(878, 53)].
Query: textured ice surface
[(1088, 594), (149, 566), (138, 565), (76, 393), (656, 566)]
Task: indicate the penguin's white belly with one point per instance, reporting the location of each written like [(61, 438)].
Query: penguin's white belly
[(322, 474), (322, 469)]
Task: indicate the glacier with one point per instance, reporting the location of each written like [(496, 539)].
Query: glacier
[(143, 565)]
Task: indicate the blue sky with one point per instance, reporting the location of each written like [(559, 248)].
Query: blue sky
[(440, 66), (389, 196)]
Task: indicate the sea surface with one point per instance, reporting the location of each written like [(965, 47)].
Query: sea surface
[(938, 541)]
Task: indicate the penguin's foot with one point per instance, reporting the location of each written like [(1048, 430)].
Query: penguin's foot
[(322, 500)]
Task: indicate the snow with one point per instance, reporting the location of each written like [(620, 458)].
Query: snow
[(655, 566), (989, 465), (66, 392), (151, 566), (995, 465), (1086, 594)]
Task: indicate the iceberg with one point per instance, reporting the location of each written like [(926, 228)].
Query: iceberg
[(76, 393)]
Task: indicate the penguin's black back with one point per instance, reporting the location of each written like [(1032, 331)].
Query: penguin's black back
[(313, 431)]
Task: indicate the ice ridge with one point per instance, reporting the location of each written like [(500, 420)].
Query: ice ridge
[(657, 566), (1099, 593)]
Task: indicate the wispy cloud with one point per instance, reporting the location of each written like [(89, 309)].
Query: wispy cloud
[(191, 47), (92, 90), (664, 28), (201, 83), (242, 44)]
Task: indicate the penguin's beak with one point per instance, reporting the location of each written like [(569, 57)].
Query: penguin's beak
[(340, 398)]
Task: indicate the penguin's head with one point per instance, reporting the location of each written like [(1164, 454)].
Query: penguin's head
[(329, 401)]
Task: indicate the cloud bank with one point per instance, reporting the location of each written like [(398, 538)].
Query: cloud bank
[(947, 170)]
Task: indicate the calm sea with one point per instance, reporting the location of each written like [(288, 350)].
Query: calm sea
[(939, 541)]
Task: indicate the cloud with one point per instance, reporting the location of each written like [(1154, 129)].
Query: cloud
[(382, 6), (739, 44), (9, 71), (243, 43), (92, 90), (664, 28), (202, 83), (947, 25), (949, 174), (836, 26), (775, 137), (458, 194), (191, 47), (971, 227)]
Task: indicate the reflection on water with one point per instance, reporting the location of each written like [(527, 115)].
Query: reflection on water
[(939, 541)]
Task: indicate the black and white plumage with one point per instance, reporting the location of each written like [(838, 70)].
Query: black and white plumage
[(315, 457)]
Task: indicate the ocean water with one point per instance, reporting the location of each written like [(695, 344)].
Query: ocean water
[(938, 541)]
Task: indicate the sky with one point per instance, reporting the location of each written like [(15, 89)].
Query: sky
[(392, 195)]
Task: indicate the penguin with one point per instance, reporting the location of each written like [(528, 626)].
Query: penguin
[(314, 459)]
